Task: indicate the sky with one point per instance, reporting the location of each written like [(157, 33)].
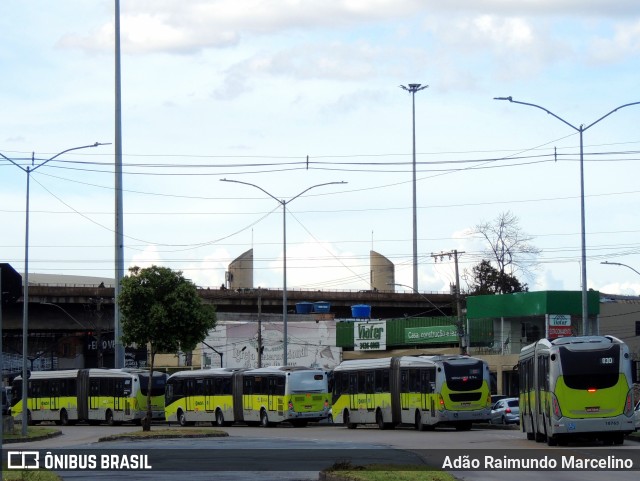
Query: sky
[(290, 94)]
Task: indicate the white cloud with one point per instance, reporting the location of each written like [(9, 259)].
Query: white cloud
[(147, 258), (621, 288), (624, 43)]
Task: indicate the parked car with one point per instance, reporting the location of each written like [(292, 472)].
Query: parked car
[(497, 397), (506, 411)]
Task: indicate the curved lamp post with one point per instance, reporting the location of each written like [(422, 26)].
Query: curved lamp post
[(284, 247), (25, 313), (412, 89), (620, 264), (580, 129)]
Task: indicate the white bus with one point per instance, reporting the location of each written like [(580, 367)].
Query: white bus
[(576, 387), (93, 395), (423, 391), (264, 396)]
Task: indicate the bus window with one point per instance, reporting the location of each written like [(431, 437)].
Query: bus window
[(404, 380), (378, 381), (590, 369)]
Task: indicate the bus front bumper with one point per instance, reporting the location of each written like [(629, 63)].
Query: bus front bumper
[(478, 416)]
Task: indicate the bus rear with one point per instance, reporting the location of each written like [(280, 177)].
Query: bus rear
[(308, 397), (592, 391)]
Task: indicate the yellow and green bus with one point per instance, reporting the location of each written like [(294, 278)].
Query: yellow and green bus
[(576, 387), (65, 397), (265, 396), (423, 391)]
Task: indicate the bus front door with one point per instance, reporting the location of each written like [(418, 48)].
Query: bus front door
[(117, 395), (271, 398), (54, 399), (94, 394), (369, 383), (353, 391)]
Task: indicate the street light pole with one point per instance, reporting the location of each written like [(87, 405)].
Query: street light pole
[(412, 89), (25, 303), (619, 264), (284, 247), (580, 129)]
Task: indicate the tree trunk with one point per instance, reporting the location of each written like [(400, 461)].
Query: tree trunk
[(146, 421)]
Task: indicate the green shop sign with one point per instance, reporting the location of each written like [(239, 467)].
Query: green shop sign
[(432, 334)]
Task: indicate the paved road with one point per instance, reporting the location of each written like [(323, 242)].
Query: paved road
[(245, 448)]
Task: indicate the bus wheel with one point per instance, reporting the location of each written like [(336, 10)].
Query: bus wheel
[(347, 421), (219, 418), (419, 425), (264, 419), (64, 417), (380, 420), (109, 418), (182, 419)]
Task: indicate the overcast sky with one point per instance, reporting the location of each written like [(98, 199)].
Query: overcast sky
[(288, 94)]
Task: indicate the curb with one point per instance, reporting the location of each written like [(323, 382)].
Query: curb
[(34, 438), (162, 436)]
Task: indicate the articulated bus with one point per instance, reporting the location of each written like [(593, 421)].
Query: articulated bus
[(93, 395), (576, 387), (264, 396), (423, 391), (141, 378)]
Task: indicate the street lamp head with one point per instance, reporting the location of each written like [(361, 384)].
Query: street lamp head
[(413, 88), (510, 99)]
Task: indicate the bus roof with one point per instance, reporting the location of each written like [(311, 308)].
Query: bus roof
[(73, 373), (218, 371), (281, 369)]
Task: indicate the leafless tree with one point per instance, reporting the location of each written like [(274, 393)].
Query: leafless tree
[(509, 247)]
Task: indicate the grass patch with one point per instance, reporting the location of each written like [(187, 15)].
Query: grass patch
[(168, 433), (384, 472), (33, 432), (29, 475)]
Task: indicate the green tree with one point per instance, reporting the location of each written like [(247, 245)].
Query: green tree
[(486, 279), (162, 310)]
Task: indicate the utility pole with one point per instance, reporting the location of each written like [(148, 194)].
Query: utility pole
[(454, 254), (259, 327)]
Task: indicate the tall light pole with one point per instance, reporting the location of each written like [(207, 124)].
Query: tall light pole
[(119, 214), (620, 264), (580, 129), (25, 303), (412, 89), (284, 248)]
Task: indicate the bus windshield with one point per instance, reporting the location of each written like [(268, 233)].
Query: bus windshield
[(463, 377), (307, 381), (590, 369), (157, 387)]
